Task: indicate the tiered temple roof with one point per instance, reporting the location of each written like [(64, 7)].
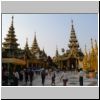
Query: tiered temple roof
[(74, 52), (27, 52), (10, 45), (73, 40), (35, 48)]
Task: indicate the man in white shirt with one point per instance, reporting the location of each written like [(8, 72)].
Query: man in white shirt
[(16, 75), (53, 76), (16, 78), (64, 77), (81, 74)]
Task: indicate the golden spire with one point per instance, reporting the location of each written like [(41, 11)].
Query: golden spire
[(86, 51), (12, 20), (27, 41), (11, 41), (26, 46), (43, 50), (72, 22), (93, 57), (96, 56), (11, 28), (57, 51), (92, 48), (92, 44), (89, 55), (73, 39), (96, 46), (27, 51), (35, 41), (35, 47), (72, 26), (85, 60)]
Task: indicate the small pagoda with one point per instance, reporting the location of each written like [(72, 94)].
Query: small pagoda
[(35, 48), (11, 54), (33, 56), (10, 46)]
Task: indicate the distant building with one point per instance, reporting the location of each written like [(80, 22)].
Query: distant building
[(16, 58), (72, 58)]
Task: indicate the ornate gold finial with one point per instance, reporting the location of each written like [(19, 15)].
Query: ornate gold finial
[(35, 37), (72, 22), (85, 48), (72, 26), (56, 47), (26, 42), (35, 47), (91, 43), (96, 46), (12, 17), (34, 33), (12, 20), (57, 51)]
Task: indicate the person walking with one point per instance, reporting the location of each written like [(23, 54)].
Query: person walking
[(81, 74), (43, 75), (5, 75), (31, 76), (16, 78), (64, 77), (26, 76), (53, 76), (21, 75)]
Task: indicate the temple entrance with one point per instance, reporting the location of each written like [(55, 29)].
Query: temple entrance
[(72, 64)]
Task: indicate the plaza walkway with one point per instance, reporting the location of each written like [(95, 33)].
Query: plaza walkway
[(73, 80)]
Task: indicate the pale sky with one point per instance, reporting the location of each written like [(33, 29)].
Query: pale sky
[(52, 29)]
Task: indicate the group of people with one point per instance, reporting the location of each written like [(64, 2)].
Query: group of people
[(45, 73), (5, 77), (28, 75), (14, 77), (52, 73)]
